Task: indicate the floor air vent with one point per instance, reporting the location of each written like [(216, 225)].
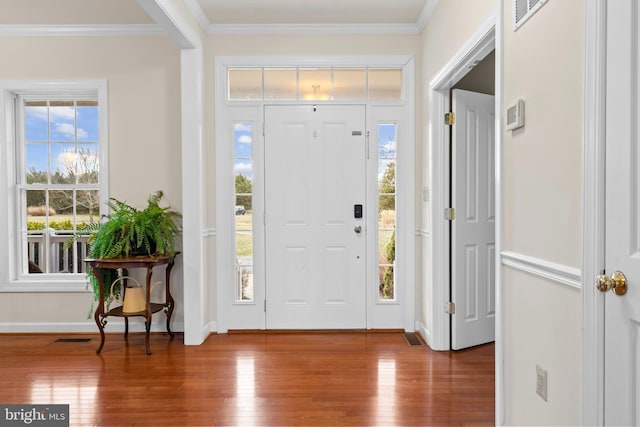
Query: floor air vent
[(73, 340), (413, 339)]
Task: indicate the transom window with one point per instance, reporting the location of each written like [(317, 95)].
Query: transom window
[(314, 84)]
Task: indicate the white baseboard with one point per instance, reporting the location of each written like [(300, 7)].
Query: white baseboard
[(86, 327), (424, 333)]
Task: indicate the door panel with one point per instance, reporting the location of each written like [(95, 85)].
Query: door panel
[(314, 175), (473, 229), (622, 253)]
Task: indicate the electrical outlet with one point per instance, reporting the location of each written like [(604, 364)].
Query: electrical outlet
[(541, 382)]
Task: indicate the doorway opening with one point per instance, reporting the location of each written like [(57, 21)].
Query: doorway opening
[(471, 193), (248, 265)]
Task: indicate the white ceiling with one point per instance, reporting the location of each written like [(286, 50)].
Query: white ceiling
[(407, 16), (312, 11)]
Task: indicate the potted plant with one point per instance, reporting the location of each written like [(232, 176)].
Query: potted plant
[(129, 231)]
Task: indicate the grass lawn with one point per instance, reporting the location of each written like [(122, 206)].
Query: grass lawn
[(61, 218)]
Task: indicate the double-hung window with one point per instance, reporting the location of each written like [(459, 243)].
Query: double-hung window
[(59, 146)]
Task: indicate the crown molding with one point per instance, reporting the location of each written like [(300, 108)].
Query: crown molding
[(199, 15), (81, 30), (426, 13), (313, 29)]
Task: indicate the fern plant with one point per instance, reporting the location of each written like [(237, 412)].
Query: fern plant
[(129, 231)]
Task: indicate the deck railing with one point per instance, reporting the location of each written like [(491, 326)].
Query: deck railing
[(47, 253)]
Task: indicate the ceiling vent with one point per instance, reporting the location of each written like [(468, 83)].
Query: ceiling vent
[(524, 9)]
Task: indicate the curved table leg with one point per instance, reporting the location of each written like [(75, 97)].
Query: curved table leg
[(169, 302), (99, 313), (100, 321)]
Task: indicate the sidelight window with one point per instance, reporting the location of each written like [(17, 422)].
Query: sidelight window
[(243, 209), (387, 134)]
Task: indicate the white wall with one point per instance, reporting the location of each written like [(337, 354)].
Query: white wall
[(143, 75), (543, 64)]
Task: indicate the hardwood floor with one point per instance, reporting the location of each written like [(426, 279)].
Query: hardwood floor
[(265, 379)]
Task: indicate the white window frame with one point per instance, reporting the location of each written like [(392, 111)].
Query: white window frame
[(11, 278), (251, 316)]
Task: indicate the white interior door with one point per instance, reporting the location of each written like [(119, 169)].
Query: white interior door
[(473, 229), (622, 225), (315, 245)]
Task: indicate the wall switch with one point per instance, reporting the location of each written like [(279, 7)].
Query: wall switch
[(541, 382)]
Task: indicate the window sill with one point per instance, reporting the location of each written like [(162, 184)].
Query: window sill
[(47, 284)]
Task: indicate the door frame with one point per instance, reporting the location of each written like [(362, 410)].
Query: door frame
[(223, 247), (486, 38), (593, 218)]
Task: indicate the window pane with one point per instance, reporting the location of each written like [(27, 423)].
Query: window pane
[(63, 163), (36, 209), (386, 274), (87, 207), (315, 84), (385, 84), (387, 212), (87, 165), (387, 176), (242, 140), (62, 121), (37, 163), (36, 121), (87, 121), (245, 84), (349, 84), (61, 202), (243, 209), (280, 83), (387, 141)]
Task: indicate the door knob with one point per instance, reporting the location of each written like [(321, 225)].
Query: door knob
[(357, 229), (617, 282)]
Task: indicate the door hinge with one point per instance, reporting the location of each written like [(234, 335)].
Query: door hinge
[(265, 306), (450, 214), (450, 308), (449, 118), (367, 145)]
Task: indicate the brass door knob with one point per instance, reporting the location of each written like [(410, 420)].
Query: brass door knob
[(617, 282)]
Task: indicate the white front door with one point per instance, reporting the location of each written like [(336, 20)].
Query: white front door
[(315, 242), (622, 223), (473, 229)]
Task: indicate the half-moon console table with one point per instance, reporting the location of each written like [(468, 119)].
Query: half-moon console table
[(147, 262)]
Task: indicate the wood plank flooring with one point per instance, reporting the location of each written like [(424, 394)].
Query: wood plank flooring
[(261, 379)]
